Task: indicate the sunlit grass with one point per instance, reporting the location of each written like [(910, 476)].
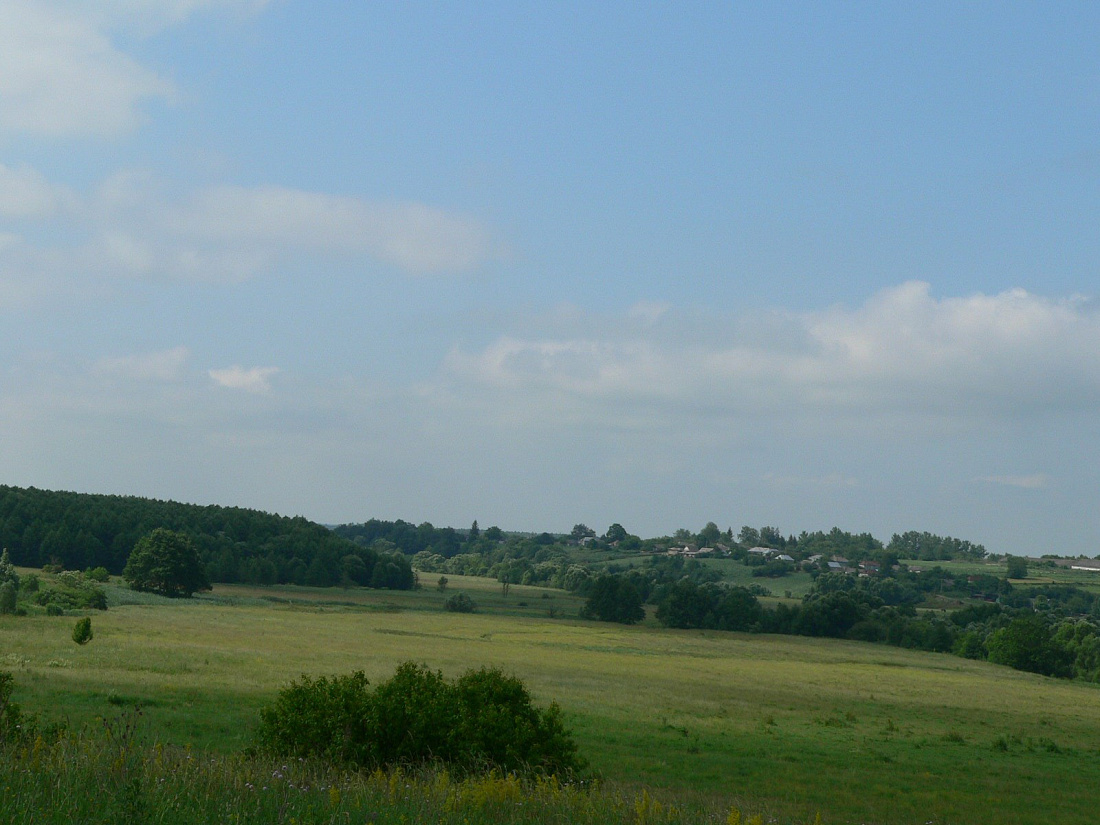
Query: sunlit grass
[(792, 725)]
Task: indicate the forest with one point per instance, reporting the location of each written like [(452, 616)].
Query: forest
[(79, 531)]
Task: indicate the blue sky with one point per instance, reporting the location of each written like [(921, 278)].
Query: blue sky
[(540, 264)]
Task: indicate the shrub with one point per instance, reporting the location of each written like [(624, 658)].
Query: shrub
[(72, 591), (14, 724), (318, 717), (1015, 567), (82, 632), (460, 603), (54, 609), (7, 598), (97, 574), (484, 720), (7, 569), (29, 584)]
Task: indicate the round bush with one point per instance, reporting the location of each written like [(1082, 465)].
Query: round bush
[(484, 720), (7, 598), (82, 632), (460, 603)]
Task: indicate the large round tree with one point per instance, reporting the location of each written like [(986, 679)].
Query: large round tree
[(167, 563)]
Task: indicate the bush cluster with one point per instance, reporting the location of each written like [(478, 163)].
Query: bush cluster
[(483, 720), (460, 603), (70, 590)]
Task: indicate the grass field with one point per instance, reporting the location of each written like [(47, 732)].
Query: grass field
[(792, 726)]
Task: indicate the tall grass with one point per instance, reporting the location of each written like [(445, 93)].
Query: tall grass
[(111, 776)]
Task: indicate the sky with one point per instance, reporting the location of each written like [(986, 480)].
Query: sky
[(800, 265)]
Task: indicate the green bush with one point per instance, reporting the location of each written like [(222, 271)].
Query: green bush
[(82, 632), (484, 720), (13, 723), (7, 598), (460, 603), (97, 574), (1015, 567), (72, 591), (7, 569), (54, 609)]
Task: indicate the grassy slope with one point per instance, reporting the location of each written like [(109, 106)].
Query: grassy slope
[(860, 732)]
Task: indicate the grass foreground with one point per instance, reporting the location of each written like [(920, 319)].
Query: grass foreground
[(787, 727)]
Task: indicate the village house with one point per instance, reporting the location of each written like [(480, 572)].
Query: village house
[(869, 568)]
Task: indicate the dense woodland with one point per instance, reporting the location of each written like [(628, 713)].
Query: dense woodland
[(77, 531)]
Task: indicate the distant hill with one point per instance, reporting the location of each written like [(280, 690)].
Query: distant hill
[(80, 530)]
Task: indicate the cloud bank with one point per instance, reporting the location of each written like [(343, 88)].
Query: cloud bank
[(130, 228), (903, 353)]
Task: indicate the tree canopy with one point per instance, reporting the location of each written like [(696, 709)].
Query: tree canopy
[(166, 562), (78, 531), (614, 599)]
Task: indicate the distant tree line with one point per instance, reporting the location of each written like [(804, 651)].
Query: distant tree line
[(835, 542), (1053, 630), (411, 539), (82, 532), (929, 547), (78, 531)]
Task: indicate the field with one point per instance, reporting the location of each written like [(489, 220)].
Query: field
[(786, 725)]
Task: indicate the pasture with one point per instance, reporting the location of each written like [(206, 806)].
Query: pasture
[(791, 726)]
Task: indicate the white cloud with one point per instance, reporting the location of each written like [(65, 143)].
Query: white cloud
[(1035, 481), (129, 227), (24, 193), (166, 365), (903, 354), (415, 237), (255, 380), (60, 73), (156, 14)]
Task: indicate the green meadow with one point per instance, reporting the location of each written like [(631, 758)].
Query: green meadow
[(785, 725)]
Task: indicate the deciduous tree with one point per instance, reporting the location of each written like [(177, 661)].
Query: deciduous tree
[(166, 562)]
